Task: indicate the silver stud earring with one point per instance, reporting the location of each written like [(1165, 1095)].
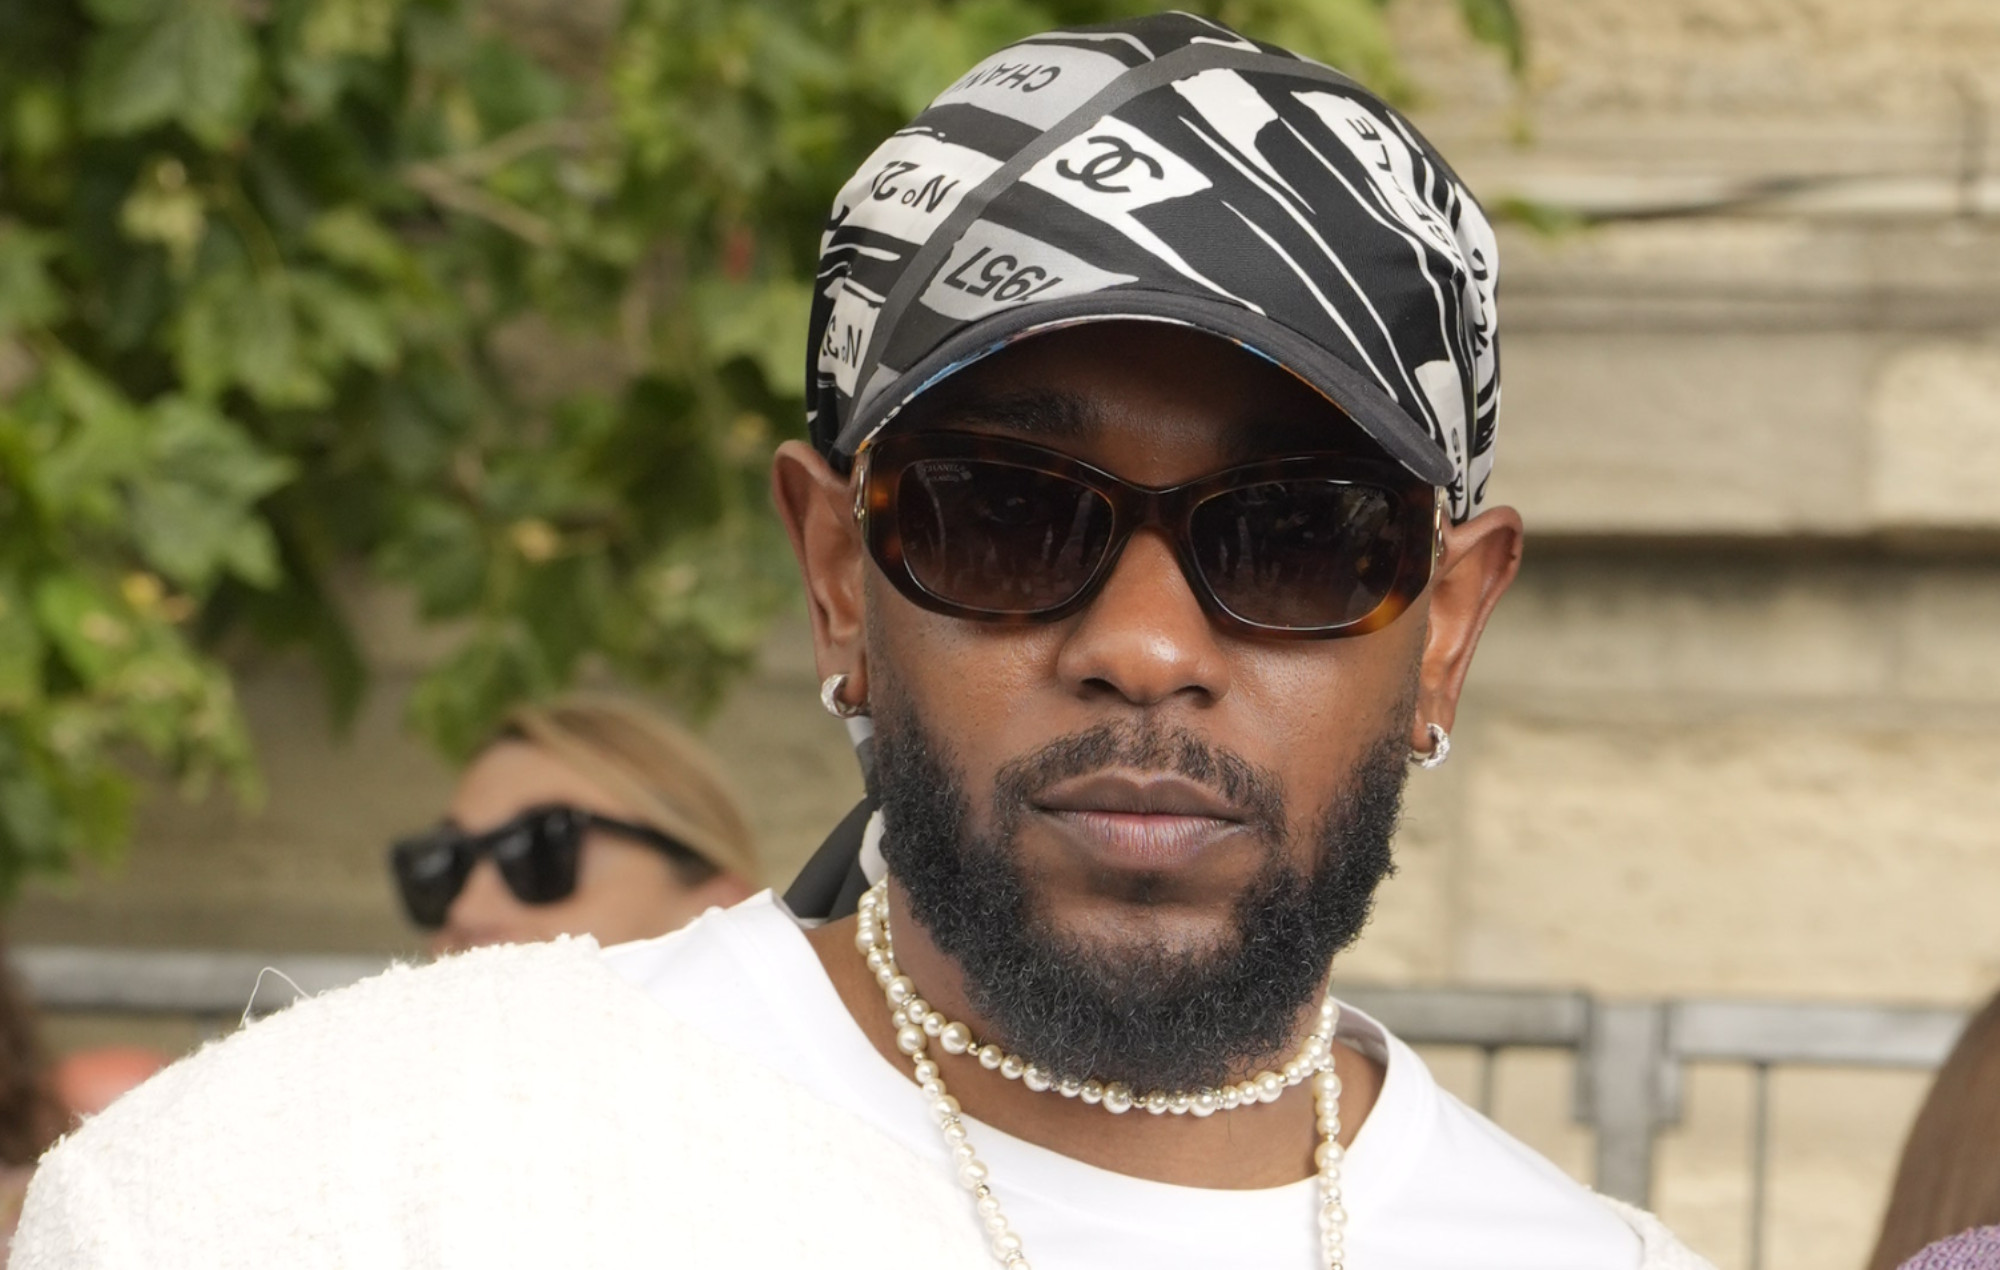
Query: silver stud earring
[(829, 696), (1440, 749)]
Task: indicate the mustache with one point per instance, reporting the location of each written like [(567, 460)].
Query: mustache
[(1145, 747)]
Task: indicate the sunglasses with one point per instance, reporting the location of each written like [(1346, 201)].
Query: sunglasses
[(536, 852), (995, 530)]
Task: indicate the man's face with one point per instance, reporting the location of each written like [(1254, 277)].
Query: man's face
[(1152, 770), (1140, 839)]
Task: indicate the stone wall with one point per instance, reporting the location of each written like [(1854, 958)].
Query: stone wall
[(1735, 731)]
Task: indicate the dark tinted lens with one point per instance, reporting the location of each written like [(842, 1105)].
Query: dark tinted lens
[(990, 535), (1301, 554), (537, 855), (430, 870)]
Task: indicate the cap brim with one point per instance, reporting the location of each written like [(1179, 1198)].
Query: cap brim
[(1373, 410)]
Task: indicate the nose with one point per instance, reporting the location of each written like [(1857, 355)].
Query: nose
[(1145, 637), (484, 912)]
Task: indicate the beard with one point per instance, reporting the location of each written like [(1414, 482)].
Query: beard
[(1155, 1016)]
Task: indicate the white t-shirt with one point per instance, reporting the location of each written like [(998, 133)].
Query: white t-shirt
[(1430, 1183)]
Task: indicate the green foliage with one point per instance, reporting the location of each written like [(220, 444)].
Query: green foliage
[(289, 293), (1549, 220), (1496, 22)]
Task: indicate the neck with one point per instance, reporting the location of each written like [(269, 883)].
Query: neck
[(1270, 1144)]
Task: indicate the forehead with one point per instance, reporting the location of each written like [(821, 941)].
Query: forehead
[(1151, 401), (509, 776)]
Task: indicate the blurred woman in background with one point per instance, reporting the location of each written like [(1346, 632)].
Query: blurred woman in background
[(583, 816), (1949, 1177)]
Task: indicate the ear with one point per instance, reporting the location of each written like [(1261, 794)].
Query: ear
[(1479, 561), (818, 510)]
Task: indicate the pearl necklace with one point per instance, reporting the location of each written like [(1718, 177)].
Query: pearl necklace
[(917, 1024)]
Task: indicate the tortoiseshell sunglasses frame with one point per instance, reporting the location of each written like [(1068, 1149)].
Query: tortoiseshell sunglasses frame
[(878, 475)]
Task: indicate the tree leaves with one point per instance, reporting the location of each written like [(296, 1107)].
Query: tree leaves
[(295, 291), (240, 329), (195, 516), (21, 650), (162, 209), (763, 322), (349, 235), (339, 28), (1496, 22), (28, 296), (458, 703), (190, 62), (441, 551), (84, 624), (85, 438)]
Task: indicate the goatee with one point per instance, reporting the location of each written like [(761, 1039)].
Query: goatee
[(1157, 1017)]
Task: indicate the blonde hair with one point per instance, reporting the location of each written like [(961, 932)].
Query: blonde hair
[(654, 767)]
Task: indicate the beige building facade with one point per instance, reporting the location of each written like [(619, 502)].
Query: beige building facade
[(1736, 732)]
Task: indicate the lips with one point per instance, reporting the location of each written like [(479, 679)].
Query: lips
[(1141, 821)]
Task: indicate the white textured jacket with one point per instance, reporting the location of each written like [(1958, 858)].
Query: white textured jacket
[(512, 1107)]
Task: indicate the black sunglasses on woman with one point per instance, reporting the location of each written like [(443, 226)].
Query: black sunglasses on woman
[(536, 852)]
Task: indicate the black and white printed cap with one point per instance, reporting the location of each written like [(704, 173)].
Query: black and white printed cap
[(1166, 168)]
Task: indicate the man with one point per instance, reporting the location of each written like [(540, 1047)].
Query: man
[(1153, 394)]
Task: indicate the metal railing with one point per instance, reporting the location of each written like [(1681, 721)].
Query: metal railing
[(1630, 1056), (1762, 1035), (211, 985), (1489, 1020)]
